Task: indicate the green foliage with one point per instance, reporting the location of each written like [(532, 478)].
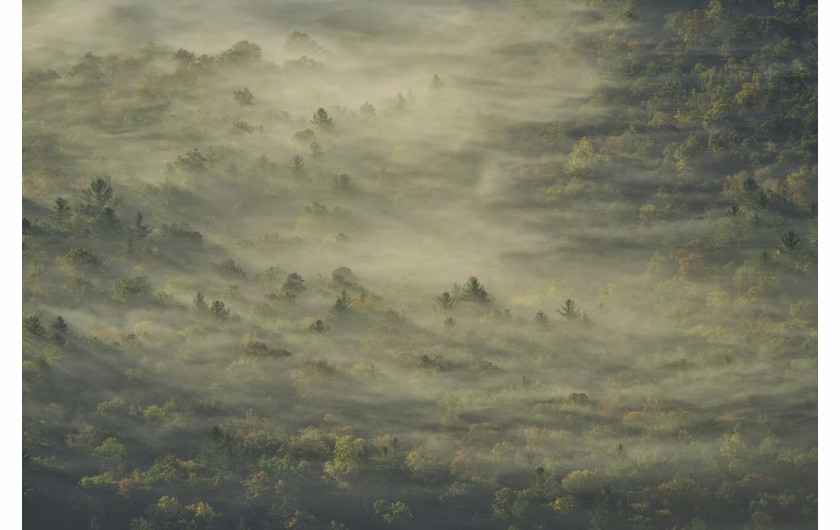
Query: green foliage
[(541, 318), (260, 349), (396, 513), (59, 325), (474, 292), (445, 301), (300, 42), (243, 96), (294, 283), (242, 52), (227, 268), (193, 162), (342, 183), (60, 214), (569, 311), (218, 311), (790, 243), (342, 303), (297, 166), (98, 194), (81, 259), (33, 326), (130, 289), (322, 120), (315, 150), (348, 457), (319, 327)]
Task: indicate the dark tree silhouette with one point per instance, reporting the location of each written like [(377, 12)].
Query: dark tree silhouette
[(445, 301), (322, 120), (569, 311), (473, 291)]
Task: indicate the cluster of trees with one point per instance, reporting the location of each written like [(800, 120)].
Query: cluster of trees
[(233, 378)]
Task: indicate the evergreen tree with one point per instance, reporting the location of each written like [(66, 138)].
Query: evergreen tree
[(315, 150), (791, 243), (322, 120), (473, 291), (98, 194), (60, 214), (445, 301), (436, 86), (569, 311), (297, 166), (33, 326)]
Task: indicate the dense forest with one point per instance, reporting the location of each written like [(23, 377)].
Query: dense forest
[(508, 265)]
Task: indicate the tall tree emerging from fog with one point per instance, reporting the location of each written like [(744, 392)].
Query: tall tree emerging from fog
[(322, 120), (473, 291)]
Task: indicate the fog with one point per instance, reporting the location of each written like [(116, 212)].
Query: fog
[(439, 265)]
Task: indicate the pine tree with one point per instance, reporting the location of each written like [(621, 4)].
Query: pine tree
[(200, 304), (297, 166), (60, 214), (98, 194), (473, 291), (315, 150), (569, 311), (294, 283), (318, 327), (790, 243), (218, 311), (59, 325), (342, 303), (445, 301), (322, 120), (33, 325)]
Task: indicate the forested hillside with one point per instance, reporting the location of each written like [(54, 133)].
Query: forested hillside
[(442, 265)]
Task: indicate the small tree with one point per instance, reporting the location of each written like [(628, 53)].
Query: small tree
[(791, 243), (81, 258), (473, 291), (294, 283), (300, 42), (449, 324), (315, 150), (541, 318), (139, 230), (126, 289), (297, 166), (318, 327), (243, 96), (33, 326), (436, 86), (227, 267), (59, 325), (445, 301), (342, 303), (322, 120), (218, 311), (395, 513), (367, 110), (60, 214), (98, 194), (342, 183), (200, 304), (569, 311)]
